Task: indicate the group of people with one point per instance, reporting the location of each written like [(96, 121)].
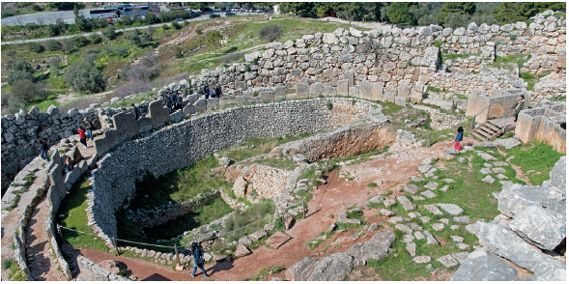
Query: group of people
[(173, 100), (213, 92)]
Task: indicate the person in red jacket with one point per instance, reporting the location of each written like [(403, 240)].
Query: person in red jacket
[(82, 136)]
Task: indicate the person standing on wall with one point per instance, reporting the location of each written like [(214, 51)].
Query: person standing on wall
[(458, 138), (82, 136), (199, 260), (179, 101), (43, 150), (206, 91), (136, 112), (213, 91), (519, 106), (68, 166)]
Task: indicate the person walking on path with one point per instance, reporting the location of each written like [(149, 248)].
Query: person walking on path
[(82, 136), (43, 150), (519, 106), (199, 261), (89, 129), (458, 138)]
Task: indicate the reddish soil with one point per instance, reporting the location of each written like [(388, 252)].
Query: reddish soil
[(398, 167)]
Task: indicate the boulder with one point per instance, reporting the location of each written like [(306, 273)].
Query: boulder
[(245, 241), (539, 227), (240, 187), (241, 251), (411, 188), (299, 270), (483, 265), (288, 220), (406, 203)]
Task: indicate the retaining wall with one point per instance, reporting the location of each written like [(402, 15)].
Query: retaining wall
[(543, 124)]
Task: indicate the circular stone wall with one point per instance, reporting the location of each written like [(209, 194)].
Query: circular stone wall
[(183, 144)]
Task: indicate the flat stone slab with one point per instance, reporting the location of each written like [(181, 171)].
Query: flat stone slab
[(395, 220), (418, 235), (416, 178), (386, 212), (448, 261), (388, 202), (444, 188), (426, 219), (411, 188), (486, 156), (425, 168), (411, 248), (407, 238), (500, 163), (463, 246), (499, 170), (460, 256), (471, 228), (488, 179), (429, 194), (501, 176), (457, 239), (431, 240), (432, 185), (485, 171), (277, 239), (451, 208), (414, 215), (422, 259), (462, 219), (483, 265), (406, 203), (444, 221), (418, 198), (415, 227), (438, 226), (403, 228), (448, 180), (454, 227), (433, 209)]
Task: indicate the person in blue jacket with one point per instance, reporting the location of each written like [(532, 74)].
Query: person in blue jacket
[(199, 261), (206, 91), (458, 138)]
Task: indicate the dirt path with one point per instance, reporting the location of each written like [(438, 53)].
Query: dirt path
[(388, 172), (40, 256)]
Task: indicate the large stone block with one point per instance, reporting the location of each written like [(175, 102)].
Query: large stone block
[(389, 94), (125, 124), (302, 90), (343, 87), (329, 91), (177, 116), (158, 113), (365, 88), (351, 76), (404, 92), (354, 92), (316, 89), (211, 103), (376, 92), (144, 124), (191, 99), (201, 104), (539, 227), (483, 265), (400, 101)]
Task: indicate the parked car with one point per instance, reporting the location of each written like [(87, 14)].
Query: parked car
[(229, 14), (214, 16), (179, 19)]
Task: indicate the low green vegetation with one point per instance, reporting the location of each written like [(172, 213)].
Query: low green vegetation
[(74, 217), (266, 272), (261, 213), (454, 56), (15, 273), (504, 61), (389, 108), (256, 146), (535, 158)]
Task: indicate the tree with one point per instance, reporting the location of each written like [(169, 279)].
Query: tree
[(456, 20), (61, 25), (134, 37), (140, 73), (480, 18), (53, 45), (54, 61), (27, 90), (79, 23), (398, 13), (511, 12), (457, 8), (126, 20), (555, 6), (64, 5), (270, 33), (383, 14), (121, 51), (21, 70), (304, 9), (32, 27), (214, 40), (428, 20), (145, 37), (67, 45), (95, 38), (109, 32), (85, 77), (53, 30), (150, 18), (80, 41)]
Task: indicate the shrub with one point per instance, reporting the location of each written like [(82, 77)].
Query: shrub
[(35, 47), (109, 32), (121, 51), (126, 20), (271, 33), (329, 105), (179, 53), (95, 38), (54, 45), (80, 41), (513, 37), (27, 90), (175, 25), (437, 43), (198, 31), (54, 61), (85, 77), (20, 71)]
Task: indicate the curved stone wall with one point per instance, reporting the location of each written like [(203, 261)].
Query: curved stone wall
[(182, 144)]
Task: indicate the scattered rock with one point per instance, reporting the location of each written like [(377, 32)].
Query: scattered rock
[(422, 259), (451, 208), (457, 239), (403, 228), (407, 239), (462, 219), (411, 188), (241, 251), (432, 185), (448, 261), (488, 179), (418, 235), (431, 240), (406, 203), (463, 246), (433, 209), (411, 248), (438, 227), (426, 219), (483, 265), (395, 220), (386, 212), (429, 194)]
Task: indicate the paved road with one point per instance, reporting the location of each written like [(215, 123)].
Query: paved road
[(200, 18), (45, 18)]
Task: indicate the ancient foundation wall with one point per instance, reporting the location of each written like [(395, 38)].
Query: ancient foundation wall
[(543, 124), (183, 144)]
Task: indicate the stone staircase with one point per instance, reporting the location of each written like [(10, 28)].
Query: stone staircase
[(492, 129)]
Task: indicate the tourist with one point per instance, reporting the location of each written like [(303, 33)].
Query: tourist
[(519, 106), (89, 129), (213, 91), (136, 112), (458, 139), (199, 261), (179, 101), (218, 91), (82, 136), (68, 166), (172, 101), (43, 150), (206, 91)]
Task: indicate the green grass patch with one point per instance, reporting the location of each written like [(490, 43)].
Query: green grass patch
[(44, 104), (461, 96), (389, 108), (503, 61), (266, 272), (433, 89), (73, 209), (15, 273), (259, 211), (535, 156)]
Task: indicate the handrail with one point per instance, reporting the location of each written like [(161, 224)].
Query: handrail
[(474, 118), (495, 124)]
